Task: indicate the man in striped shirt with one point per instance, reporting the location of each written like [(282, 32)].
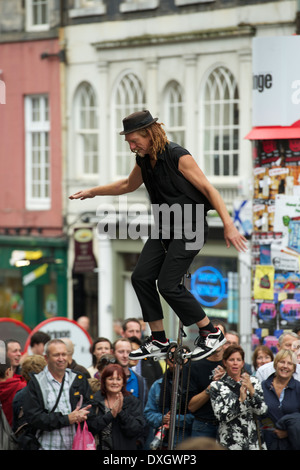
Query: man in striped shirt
[(56, 428)]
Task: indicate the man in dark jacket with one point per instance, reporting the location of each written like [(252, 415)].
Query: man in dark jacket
[(136, 384), (54, 405)]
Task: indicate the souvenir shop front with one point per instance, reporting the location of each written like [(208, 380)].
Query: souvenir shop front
[(276, 189)]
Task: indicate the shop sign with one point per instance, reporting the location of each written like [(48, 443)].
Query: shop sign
[(21, 258), (83, 245), (209, 286), (276, 81), (35, 274)]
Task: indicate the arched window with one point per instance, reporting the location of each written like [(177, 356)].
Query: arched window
[(129, 98), (87, 129), (174, 112), (220, 123)]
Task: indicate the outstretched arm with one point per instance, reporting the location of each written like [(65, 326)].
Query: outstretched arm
[(191, 171), (117, 188)]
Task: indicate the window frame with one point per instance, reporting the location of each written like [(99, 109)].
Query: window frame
[(87, 8), (30, 26), (128, 105), (180, 3), (82, 132), (172, 89), (138, 5), (212, 128), (43, 129)]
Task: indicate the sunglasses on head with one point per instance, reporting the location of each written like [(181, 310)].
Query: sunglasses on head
[(105, 361)]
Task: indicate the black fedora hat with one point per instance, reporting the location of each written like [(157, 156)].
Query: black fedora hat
[(136, 121)]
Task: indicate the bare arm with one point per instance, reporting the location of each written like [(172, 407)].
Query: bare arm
[(197, 401), (191, 171), (117, 188)]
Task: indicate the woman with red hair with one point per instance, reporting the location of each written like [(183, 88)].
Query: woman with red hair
[(117, 416)]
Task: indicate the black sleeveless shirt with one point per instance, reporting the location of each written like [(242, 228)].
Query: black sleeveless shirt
[(167, 185)]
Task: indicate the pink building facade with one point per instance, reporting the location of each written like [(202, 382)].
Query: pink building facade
[(28, 77), (31, 203)]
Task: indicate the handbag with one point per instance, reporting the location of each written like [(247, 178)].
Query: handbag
[(83, 439), (26, 438), (7, 438), (259, 437)]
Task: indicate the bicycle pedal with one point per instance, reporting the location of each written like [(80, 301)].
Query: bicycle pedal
[(187, 355)]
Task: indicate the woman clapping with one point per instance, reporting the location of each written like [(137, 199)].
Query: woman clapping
[(117, 416), (236, 398)]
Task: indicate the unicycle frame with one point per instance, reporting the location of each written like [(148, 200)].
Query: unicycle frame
[(175, 382)]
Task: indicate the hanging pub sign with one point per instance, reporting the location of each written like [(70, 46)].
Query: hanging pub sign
[(84, 259)]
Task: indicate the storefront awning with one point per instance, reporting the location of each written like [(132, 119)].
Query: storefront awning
[(275, 132)]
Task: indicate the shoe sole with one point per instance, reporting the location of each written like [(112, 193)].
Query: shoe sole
[(156, 354), (208, 353)]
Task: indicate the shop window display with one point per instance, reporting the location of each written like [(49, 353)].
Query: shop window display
[(276, 238)]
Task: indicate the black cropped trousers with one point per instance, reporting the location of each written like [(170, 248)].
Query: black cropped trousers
[(160, 268)]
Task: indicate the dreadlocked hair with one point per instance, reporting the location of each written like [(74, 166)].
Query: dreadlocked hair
[(158, 138)]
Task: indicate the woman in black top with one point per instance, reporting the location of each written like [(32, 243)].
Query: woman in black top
[(117, 417)]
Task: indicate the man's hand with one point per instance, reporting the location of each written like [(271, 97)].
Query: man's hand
[(233, 236), (79, 415), (167, 418), (82, 195), (281, 433)]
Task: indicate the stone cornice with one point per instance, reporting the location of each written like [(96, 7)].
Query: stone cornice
[(173, 38)]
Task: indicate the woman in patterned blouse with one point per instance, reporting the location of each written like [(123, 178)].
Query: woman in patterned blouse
[(236, 398)]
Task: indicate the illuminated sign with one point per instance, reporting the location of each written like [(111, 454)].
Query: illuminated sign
[(209, 286)]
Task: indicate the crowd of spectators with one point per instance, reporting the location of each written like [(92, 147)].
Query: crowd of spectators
[(224, 401)]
